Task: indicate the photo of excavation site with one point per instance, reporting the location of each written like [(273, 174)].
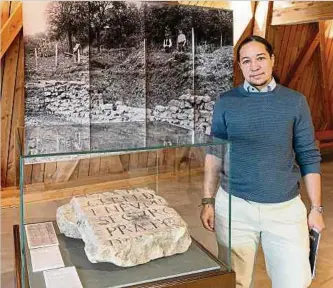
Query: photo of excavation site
[(90, 66), (56, 37)]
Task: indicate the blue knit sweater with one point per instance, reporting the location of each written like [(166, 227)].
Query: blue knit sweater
[(272, 143)]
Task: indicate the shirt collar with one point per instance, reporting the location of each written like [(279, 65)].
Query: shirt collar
[(270, 87)]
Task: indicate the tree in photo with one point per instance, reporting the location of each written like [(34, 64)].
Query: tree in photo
[(69, 19), (98, 11)]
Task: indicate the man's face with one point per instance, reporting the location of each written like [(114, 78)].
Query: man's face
[(256, 64)]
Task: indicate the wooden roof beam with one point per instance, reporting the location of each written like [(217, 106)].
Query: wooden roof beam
[(11, 29), (286, 13), (324, 74), (302, 60), (211, 4), (5, 12), (263, 17)]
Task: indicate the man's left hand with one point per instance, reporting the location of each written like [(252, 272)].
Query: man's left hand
[(316, 220)]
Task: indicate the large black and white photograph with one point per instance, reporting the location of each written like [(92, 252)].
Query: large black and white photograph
[(213, 64), (117, 74), (117, 62), (57, 106), (189, 60), (102, 73), (169, 65)]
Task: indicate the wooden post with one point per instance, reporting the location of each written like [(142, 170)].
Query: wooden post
[(193, 55), (193, 76), (145, 87), (78, 55), (56, 55), (36, 56)]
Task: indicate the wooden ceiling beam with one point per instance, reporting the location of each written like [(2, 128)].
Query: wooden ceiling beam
[(324, 76), (254, 5), (286, 13), (11, 29), (263, 17), (5, 12), (210, 4), (302, 60)]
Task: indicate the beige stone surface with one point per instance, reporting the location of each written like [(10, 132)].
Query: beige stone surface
[(124, 227), (66, 221)]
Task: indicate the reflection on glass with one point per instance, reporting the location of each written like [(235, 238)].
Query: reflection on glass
[(73, 139), (117, 72)]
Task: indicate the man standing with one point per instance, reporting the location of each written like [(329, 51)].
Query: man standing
[(273, 146), (167, 43), (181, 41)]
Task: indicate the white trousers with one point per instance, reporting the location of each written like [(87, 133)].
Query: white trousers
[(283, 232)]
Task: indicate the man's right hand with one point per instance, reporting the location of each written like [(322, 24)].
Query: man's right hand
[(208, 217)]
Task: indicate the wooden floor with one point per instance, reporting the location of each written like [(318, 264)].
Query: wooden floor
[(186, 204)]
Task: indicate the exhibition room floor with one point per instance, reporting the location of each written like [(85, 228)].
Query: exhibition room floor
[(187, 205)]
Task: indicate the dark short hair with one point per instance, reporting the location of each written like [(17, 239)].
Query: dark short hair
[(255, 38)]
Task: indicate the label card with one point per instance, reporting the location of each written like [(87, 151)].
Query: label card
[(41, 235), (46, 258), (63, 277)]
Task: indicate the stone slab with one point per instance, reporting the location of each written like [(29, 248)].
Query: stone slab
[(125, 227)]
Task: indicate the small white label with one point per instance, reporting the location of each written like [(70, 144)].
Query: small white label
[(46, 258), (63, 277)]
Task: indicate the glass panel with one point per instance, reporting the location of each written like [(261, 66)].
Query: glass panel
[(108, 142), (212, 29), (169, 64), (159, 135), (175, 172), (57, 72), (117, 59)]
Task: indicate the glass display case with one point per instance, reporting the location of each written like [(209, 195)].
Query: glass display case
[(160, 169)]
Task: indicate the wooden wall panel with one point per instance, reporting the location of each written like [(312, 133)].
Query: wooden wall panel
[(17, 118), (291, 49), (75, 173), (50, 171), (296, 49), (12, 91), (12, 101), (38, 173), (7, 105), (64, 170), (83, 168), (5, 12), (27, 174), (11, 27), (329, 51), (124, 159), (324, 75), (329, 61), (310, 86), (128, 165), (94, 165)]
